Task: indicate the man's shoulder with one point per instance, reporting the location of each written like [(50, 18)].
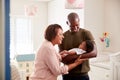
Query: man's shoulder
[(66, 32), (83, 29)]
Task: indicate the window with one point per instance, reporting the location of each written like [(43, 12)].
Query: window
[(20, 36)]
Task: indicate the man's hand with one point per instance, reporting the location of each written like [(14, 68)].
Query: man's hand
[(79, 60)]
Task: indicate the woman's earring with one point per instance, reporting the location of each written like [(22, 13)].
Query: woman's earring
[(67, 23)]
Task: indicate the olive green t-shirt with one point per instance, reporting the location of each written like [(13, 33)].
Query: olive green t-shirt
[(72, 40)]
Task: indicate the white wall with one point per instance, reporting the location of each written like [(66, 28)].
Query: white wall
[(2, 50), (112, 23), (104, 16), (94, 19)]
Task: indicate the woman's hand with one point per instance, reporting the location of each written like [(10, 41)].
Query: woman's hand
[(64, 53), (77, 62)]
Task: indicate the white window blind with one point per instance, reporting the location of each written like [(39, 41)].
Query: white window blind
[(20, 36)]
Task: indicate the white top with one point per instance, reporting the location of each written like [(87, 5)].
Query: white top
[(47, 63), (78, 51)]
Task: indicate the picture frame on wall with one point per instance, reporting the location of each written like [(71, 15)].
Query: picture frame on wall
[(74, 4)]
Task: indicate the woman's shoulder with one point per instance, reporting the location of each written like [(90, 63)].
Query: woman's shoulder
[(47, 45)]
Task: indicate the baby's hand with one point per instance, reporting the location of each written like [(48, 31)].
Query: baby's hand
[(63, 52)]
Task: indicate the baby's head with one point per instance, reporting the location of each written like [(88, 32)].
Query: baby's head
[(87, 45)]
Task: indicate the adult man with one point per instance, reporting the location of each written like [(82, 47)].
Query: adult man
[(72, 39)]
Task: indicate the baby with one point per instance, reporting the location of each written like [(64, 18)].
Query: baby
[(85, 47)]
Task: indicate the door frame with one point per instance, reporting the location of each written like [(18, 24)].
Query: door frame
[(7, 39)]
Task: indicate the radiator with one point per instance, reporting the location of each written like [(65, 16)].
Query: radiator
[(116, 75), (115, 61)]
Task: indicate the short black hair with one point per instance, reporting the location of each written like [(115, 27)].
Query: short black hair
[(51, 31), (89, 45), (72, 16)]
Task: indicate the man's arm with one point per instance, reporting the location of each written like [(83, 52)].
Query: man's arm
[(90, 54)]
